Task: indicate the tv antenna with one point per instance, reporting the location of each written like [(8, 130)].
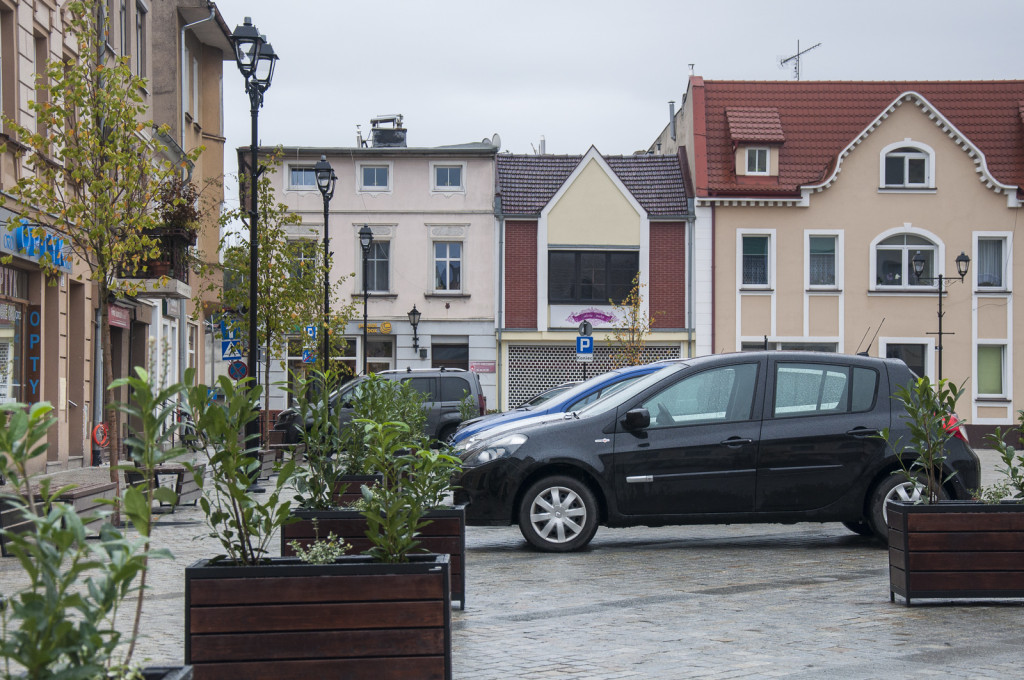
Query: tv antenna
[(796, 58)]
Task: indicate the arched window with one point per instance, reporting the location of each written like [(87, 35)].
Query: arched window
[(893, 266), (907, 166)]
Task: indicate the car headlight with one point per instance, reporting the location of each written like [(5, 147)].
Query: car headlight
[(487, 451)]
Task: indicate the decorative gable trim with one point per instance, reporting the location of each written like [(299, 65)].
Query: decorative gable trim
[(951, 131)]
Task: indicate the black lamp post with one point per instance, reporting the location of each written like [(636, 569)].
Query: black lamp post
[(365, 241), (256, 60), (325, 181), (414, 320), (963, 263)]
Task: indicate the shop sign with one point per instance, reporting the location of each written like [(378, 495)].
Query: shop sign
[(384, 327), (119, 316), (482, 366), (34, 242), (33, 354)]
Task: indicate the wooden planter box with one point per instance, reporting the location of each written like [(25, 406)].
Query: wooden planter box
[(353, 492), (355, 619), (167, 673), (446, 535), (175, 475), (956, 549)]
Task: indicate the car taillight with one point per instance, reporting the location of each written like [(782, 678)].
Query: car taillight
[(955, 427), (482, 403)]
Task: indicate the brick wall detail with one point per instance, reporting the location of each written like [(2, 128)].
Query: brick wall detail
[(521, 274), (666, 291)]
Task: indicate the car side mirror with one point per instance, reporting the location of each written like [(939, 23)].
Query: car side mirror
[(637, 419)]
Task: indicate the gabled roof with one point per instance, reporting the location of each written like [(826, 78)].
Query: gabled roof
[(820, 119), (528, 182)]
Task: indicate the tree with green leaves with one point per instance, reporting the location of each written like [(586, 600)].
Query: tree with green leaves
[(631, 327), (95, 169), (289, 280)]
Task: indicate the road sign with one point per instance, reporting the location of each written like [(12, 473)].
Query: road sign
[(311, 332), (226, 332), (237, 370), (231, 349), (586, 328), (584, 348), (308, 356)]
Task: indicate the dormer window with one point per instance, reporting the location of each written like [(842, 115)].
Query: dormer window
[(758, 160), (907, 166)]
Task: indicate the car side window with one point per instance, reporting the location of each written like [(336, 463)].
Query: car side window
[(603, 392), (424, 386), (803, 389), (718, 395), (454, 388)]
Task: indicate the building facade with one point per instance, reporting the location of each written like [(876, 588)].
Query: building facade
[(430, 212), (573, 232), (836, 214)]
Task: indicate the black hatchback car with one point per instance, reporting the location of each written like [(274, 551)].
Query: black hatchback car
[(727, 438)]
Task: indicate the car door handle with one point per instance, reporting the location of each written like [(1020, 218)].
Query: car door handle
[(862, 432), (736, 442)]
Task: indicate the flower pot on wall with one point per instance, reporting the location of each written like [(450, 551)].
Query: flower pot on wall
[(956, 549), (354, 619), (446, 534)]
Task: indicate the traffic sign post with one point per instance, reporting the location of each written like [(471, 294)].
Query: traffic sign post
[(584, 350), (237, 370)]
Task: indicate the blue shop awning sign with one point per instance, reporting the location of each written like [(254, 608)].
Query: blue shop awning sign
[(33, 242)]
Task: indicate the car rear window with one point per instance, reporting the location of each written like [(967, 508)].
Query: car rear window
[(803, 389), (454, 388)]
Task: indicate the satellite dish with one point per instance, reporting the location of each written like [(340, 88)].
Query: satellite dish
[(496, 140)]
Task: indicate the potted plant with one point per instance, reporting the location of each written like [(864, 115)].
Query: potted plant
[(951, 549), (62, 623), (248, 614), (331, 491)]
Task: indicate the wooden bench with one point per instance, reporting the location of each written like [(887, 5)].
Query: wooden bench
[(12, 518), (179, 478)]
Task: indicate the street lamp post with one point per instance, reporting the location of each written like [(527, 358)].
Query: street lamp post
[(325, 182), (414, 321), (963, 263), (365, 241), (256, 60)]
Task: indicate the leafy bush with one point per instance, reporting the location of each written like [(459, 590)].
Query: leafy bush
[(381, 400), (316, 482)]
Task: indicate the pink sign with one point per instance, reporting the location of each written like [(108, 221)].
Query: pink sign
[(119, 316), (482, 366)]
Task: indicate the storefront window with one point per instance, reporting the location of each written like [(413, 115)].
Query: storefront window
[(13, 291)]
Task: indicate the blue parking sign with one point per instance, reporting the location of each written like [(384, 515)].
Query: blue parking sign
[(584, 348)]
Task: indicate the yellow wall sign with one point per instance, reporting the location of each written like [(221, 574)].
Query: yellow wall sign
[(384, 327)]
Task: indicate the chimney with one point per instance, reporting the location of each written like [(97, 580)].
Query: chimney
[(672, 119), (393, 136), (543, 146)]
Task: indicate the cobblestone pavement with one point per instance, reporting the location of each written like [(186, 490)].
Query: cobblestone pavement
[(744, 601)]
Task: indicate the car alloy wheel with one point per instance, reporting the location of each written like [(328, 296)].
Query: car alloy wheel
[(896, 488), (558, 514)]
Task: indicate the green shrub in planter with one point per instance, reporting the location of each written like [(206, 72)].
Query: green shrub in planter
[(316, 482), (61, 625), (382, 401), (414, 480)]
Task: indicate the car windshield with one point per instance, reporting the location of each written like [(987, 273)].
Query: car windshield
[(575, 392), (636, 387), (544, 397)]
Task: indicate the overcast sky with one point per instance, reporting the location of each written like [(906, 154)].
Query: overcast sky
[(581, 72)]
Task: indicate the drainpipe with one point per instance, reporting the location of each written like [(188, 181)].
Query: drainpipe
[(691, 298), (499, 217), (182, 314)]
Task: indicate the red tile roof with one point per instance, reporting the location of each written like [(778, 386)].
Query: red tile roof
[(527, 183), (820, 118), (753, 124)]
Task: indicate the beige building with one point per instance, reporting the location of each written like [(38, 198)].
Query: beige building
[(834, 212)]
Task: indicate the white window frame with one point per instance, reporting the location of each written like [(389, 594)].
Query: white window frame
[(462, 266), (1007, 238), (837, 266), (756, 150), (363, 189), (437, 189), (1001, 344), (770, 283), (938, 248), (924, 151), (141, 43), (391, 264), (299, 187)]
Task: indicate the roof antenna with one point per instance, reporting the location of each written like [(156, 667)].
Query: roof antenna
[(870, 342), (796, 59)]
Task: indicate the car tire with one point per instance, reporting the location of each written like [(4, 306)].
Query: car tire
[(861, 528), (446, 434), (558, 514), (895, 487)]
